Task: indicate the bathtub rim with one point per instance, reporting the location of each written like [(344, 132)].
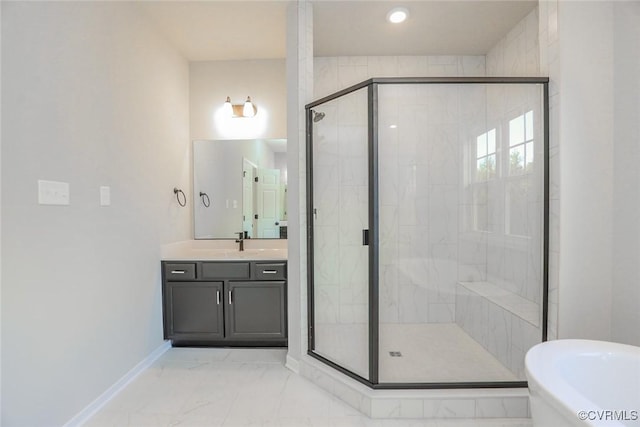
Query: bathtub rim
[(541, 370)]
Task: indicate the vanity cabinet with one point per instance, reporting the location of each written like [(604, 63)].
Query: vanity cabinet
[(225, 302), (195, 310)]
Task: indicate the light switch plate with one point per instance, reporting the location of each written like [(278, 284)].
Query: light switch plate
[(105, 195), (53, 192)]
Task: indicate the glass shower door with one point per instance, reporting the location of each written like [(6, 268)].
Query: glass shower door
[(461, 231), (340, 211), (449, 177)]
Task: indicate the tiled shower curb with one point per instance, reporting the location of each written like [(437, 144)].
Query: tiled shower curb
[(430, 404)]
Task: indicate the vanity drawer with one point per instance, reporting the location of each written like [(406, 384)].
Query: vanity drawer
[(180, 271), (226, 270), (270, 271)]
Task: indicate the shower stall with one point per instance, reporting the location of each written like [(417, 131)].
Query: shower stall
[(427, 203)]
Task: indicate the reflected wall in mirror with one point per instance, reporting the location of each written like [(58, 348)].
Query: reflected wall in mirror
[(244, 184)]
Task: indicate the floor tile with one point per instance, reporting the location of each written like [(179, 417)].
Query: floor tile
[(210, 387)]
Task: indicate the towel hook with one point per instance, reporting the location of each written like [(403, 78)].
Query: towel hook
[(205, 199), (177, 192)]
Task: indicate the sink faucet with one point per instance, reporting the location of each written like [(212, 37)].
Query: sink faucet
[(240, 240)]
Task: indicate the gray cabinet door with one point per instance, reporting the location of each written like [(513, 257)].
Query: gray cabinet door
[(256, 310), (195, 310)]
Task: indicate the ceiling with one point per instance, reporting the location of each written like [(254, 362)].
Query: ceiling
[(344, 28), (238, 29), (222, 30)]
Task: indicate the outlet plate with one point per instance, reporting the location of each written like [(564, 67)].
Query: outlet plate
[(105, 195), (53, 193)]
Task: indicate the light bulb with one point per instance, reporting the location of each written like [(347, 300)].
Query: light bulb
[(228, 108), (248, 110), (397, 15)]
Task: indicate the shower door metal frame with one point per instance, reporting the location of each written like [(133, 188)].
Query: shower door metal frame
[(373, 215)]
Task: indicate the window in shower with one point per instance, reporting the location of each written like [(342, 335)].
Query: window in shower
[(521, 170), (486, 157), (521, 152), (426, 222), (485, 152)]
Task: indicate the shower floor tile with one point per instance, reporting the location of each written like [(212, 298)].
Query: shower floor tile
[(413, 353), (436, 352)]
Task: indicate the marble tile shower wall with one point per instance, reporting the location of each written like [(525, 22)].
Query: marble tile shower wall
[(341, 202), (472, 259), (514, 246), (513, 262), (418, 257), (332, 74), (517, 54), (419, 163), (502, 333), (549, 66), (429, 199)]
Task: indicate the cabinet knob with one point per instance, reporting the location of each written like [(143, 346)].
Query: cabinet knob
[(230, 300), (177, 271), (218, 297)]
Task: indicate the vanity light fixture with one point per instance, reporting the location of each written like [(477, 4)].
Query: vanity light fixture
[(248, 109), (397, 15)]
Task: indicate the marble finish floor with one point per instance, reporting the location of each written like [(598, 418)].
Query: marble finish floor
[(240, 387)]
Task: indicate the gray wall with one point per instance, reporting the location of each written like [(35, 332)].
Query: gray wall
[(261, 79), (626, 197), (597, 76), (585, 79), (92, 96), (0, 227)]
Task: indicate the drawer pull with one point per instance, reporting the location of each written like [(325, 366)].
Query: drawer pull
[(269, 271), (178, 271), (230, 301), (218, 297)]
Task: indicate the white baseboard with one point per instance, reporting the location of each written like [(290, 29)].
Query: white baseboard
[(84, 415), (293, 364)]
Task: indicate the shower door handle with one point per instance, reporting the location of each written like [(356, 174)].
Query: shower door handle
[(365, 237)]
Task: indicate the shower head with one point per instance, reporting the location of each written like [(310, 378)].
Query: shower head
[(317, 116)]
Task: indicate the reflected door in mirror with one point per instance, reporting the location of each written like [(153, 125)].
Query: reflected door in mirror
[(268, 203)]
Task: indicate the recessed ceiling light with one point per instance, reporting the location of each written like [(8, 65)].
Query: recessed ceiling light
[(397, 15)]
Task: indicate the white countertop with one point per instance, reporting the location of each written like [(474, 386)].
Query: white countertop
[(224, 250)]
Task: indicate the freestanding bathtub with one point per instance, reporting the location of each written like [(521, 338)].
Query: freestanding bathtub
[(584, 383)]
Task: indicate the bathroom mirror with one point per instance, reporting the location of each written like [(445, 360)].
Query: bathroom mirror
[(240, 185)]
